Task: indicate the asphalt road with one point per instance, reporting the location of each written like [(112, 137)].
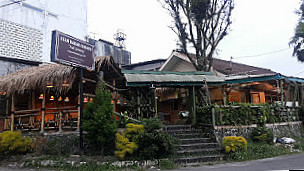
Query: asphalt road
[(289, 162)]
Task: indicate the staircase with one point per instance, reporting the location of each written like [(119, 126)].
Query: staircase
[(195, 146)]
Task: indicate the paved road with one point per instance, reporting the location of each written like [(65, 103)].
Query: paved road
[(277, 163)]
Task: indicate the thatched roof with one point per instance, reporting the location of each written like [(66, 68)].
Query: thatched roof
[(37, 78)]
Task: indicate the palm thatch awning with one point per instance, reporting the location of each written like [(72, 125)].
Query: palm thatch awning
[(38, 78), (56, 75)]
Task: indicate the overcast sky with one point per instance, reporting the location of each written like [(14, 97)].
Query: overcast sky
[(259, 27)]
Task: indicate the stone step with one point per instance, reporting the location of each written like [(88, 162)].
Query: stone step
[(189, 135), (199, 159), (201, 151), (195, 140), (177, 127), (189, 131), (197, 146)]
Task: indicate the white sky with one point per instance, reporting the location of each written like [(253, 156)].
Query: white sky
[(259, 26)]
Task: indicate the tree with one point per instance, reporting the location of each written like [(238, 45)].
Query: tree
[(298, 39), (99, 122), (201, 24)]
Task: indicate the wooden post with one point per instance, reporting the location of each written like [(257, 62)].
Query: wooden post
[(155, 98), (60, 121), (194, 106), (224, 95), (282, 92), (7, 113), (138, 103), (13, 112), (43, 112), (213, 116)]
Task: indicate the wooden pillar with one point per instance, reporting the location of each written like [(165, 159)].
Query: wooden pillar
[(138, 104), (194, 106), (155, 98), (224, 95), (213, 116), (43, 112), (13, 112), (6, 120), (60, 121), (282, 92)]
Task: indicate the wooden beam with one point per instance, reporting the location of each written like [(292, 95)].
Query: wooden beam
[(193, 106), (89, 80), (13, 112), (282, 92), (43, 112)]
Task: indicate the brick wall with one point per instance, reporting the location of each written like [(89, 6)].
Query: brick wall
[(21, 42)]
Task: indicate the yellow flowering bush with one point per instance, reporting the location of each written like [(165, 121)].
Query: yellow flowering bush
[(13, 142), (126, 142), (234, 143)]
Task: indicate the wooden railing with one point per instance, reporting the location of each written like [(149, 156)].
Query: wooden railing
[(55, 119)]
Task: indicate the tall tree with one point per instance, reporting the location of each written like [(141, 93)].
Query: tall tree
[(298, 39), (201, 24)]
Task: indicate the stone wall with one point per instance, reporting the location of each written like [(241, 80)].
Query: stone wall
[(287, 129)]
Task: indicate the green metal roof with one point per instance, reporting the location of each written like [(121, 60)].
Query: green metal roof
[(166, 72)]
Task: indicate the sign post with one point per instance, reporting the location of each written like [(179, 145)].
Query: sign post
[(70, 51)]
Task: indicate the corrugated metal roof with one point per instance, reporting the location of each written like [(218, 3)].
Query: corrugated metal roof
[(171, 79)]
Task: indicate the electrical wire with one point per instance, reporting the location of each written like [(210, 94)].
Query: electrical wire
[(300, 73), (262, 54), (15, 2)]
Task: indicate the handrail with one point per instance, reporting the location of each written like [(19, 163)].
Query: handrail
[(119, 114)]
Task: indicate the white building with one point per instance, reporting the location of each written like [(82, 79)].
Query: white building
[(26, 27)]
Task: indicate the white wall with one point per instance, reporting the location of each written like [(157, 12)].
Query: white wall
[(68, 16)]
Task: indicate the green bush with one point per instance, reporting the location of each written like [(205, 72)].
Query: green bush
[(234, 144), (258, 151), (56, 146), (154, 143), (99, 123), (14, 143), (262, 134), (126, 142)]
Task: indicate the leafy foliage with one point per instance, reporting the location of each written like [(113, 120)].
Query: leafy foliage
[(298, 39), (99, 122), (14, 143), (126, 142), (153, 143), (262, 134), (56, 146), (244, 114), (234, 144), (258, 151)]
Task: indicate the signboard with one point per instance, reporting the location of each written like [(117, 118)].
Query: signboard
[(68, 50)]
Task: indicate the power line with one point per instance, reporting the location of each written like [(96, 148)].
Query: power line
[(15, 2), (300, 73), (266, 53)]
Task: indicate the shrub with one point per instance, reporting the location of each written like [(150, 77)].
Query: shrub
[(152, 124), (258, 151), (14, 143), (153, 143), (99, 123), (156, 145), (57, 146), (262, 134), (233, 144), (124, 146), (126, 142)]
